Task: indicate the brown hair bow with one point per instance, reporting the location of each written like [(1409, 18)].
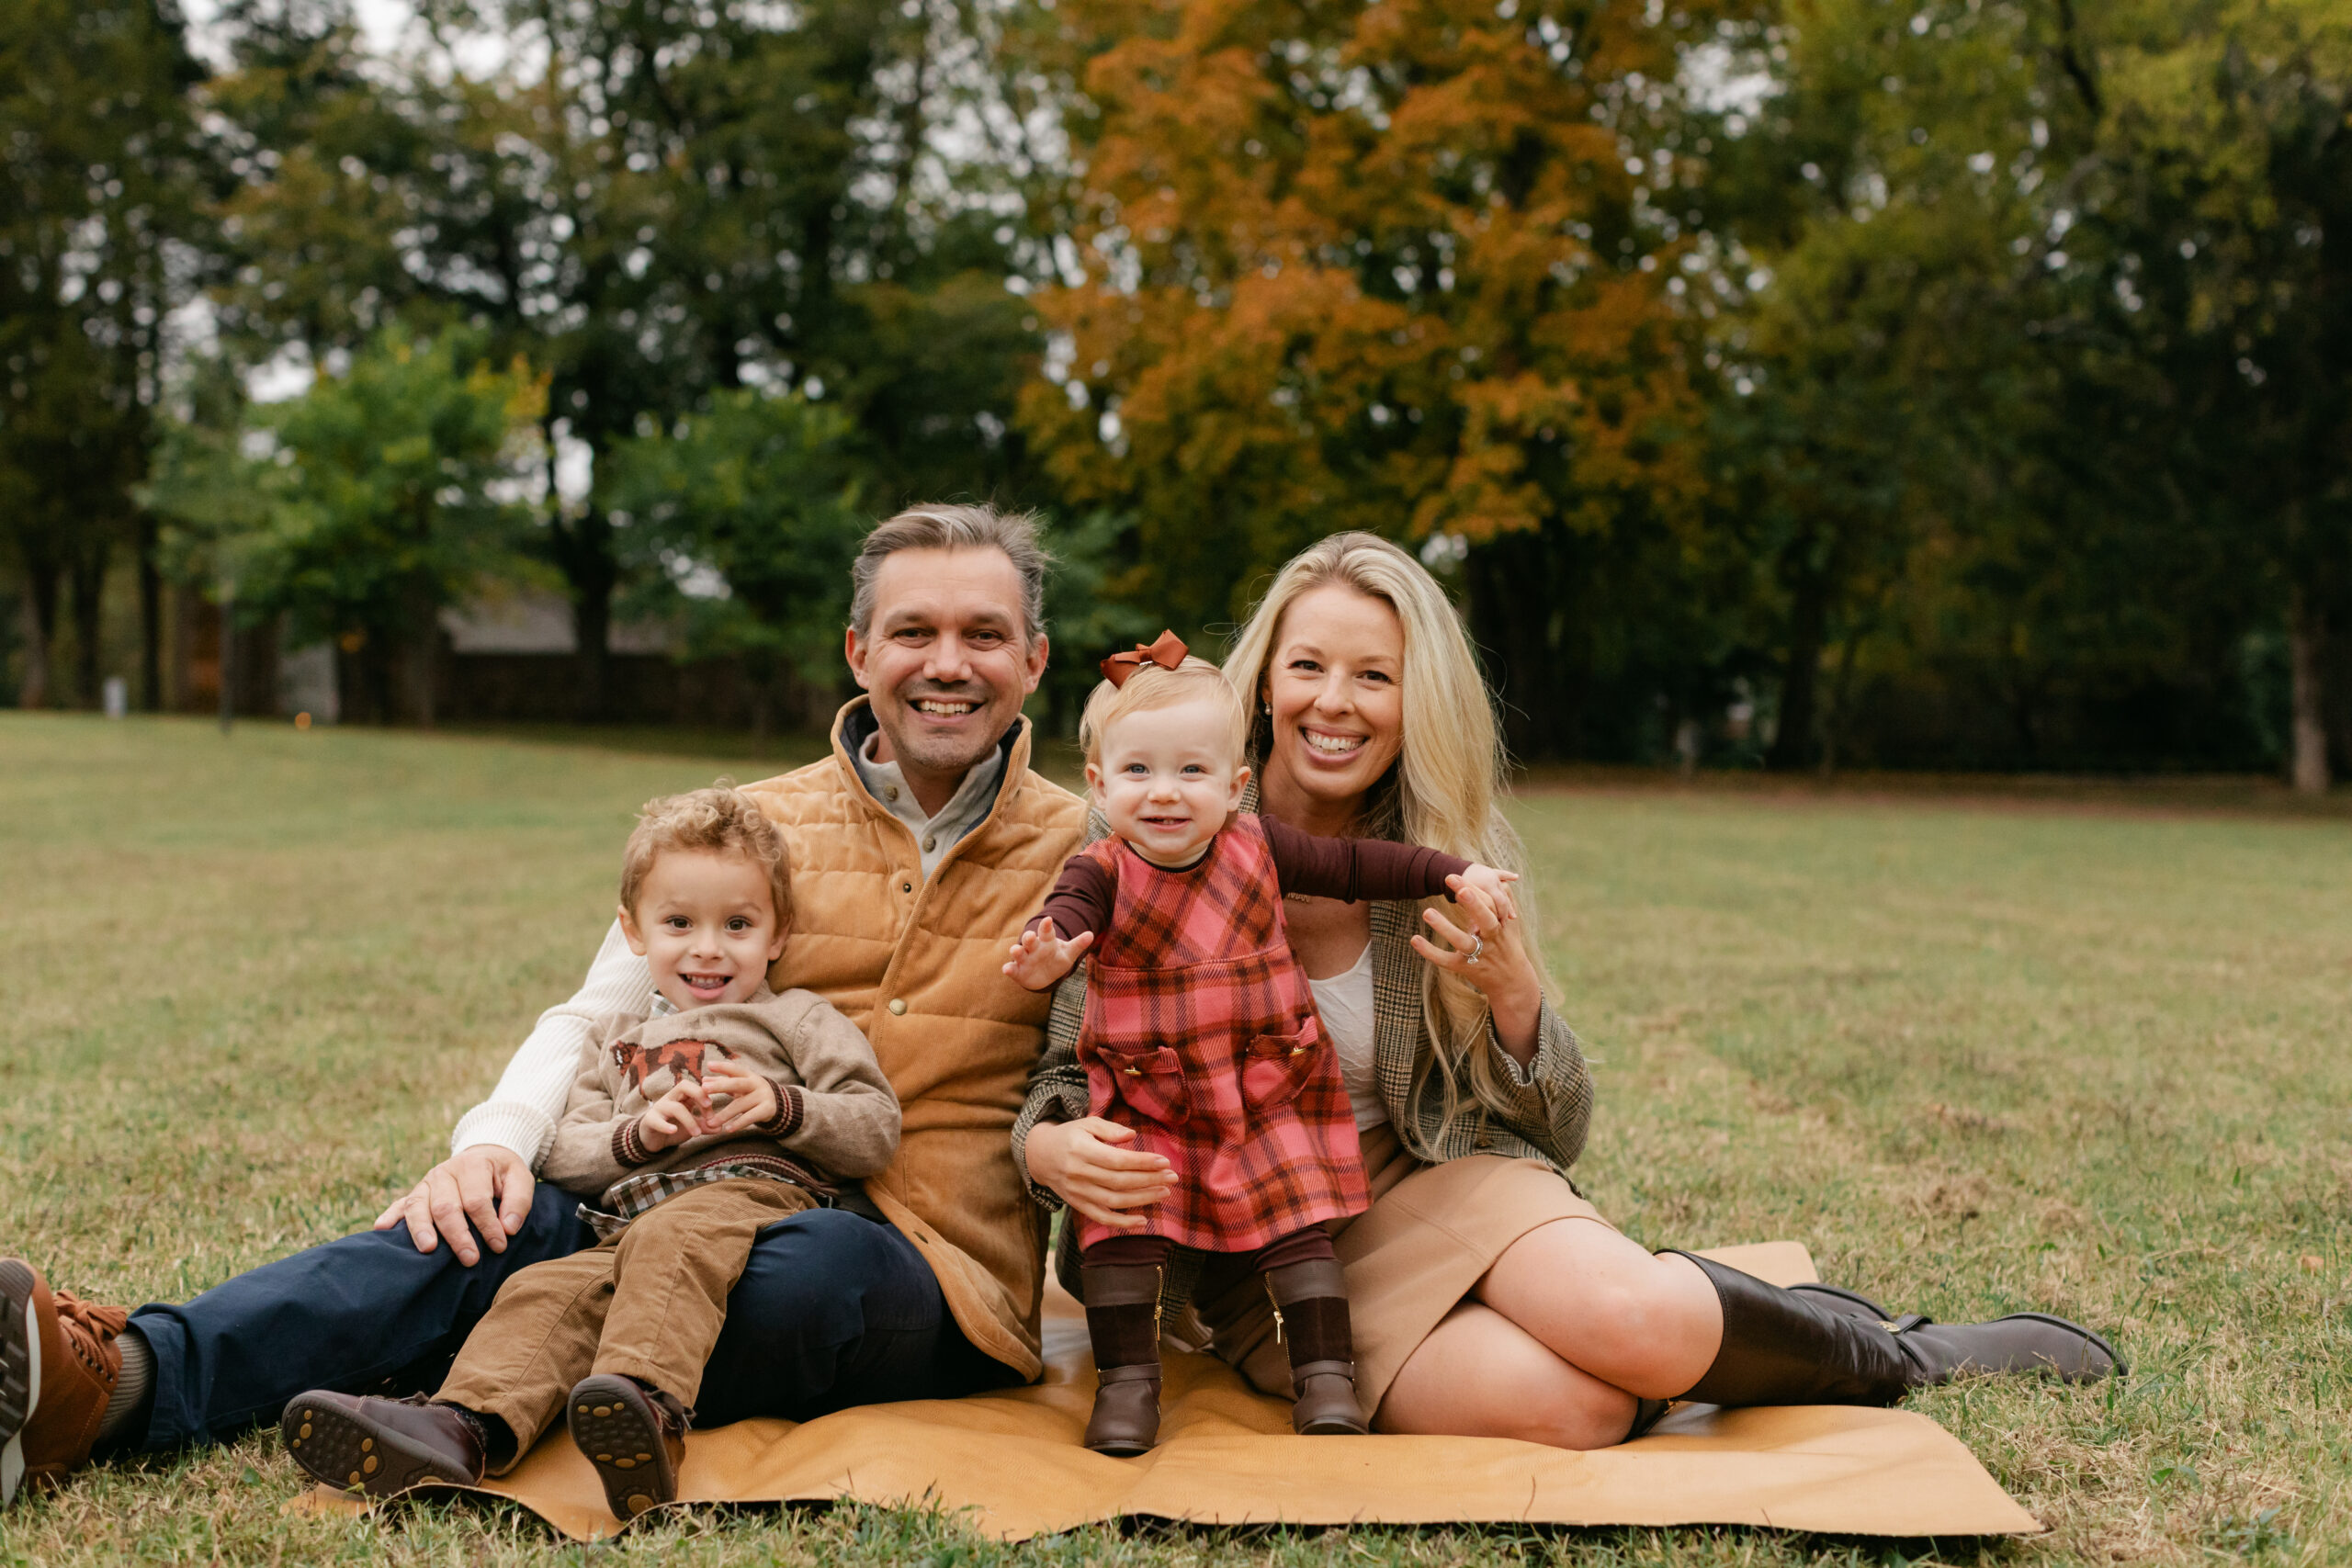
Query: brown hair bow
[(1167, 650)]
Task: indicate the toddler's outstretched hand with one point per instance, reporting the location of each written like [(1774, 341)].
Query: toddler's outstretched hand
[(1490, 881), (1040, 959)]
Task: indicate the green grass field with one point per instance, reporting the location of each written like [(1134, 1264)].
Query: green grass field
[(1976, 1054)]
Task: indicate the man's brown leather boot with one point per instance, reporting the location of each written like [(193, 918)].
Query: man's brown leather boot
[(58, 1366), (635, 1436), (1122, 1319), (1311, 1314), (384, 1447)]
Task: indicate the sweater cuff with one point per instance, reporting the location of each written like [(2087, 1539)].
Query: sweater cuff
[(1525, 1077), (628, 1149), (508, 1123), (791, 1110), (1045, 1197)]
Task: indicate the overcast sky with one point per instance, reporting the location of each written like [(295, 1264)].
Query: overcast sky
[(382, 20)]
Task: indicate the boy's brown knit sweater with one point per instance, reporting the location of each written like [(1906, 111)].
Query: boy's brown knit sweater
[(836, 1118)]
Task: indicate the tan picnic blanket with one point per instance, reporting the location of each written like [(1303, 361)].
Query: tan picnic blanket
[(1009, 1463)]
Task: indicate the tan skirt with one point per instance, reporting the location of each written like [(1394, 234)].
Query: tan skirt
[(1430, 1236)]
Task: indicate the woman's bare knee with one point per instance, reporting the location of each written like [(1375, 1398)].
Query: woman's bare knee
[(1477, 1375), (1650, 1324)]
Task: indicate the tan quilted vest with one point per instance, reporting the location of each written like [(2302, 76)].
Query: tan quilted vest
[(919, 966)]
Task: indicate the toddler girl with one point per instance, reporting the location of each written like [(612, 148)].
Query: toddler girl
[(1200, 1033)]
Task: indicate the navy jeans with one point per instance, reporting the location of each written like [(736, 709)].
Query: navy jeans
[(832, 1310)]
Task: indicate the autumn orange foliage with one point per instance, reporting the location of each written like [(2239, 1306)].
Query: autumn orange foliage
[(1393, 267)]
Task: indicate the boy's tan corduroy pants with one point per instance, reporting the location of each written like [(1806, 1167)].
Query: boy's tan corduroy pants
[(647, 1304)]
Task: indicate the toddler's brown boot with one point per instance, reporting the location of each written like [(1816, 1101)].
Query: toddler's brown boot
[(1122, 1319), (59, 1363), (635, 1436), (384, 1447), (1311, 1314)]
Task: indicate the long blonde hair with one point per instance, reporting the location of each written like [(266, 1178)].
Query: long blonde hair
[(1441, 792)]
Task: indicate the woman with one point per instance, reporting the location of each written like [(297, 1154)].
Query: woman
[(1490, 1299)]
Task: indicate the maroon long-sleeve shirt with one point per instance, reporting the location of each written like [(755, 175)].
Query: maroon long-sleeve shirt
[(1348, 869)]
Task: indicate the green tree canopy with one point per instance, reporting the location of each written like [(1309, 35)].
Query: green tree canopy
[(383, 494)]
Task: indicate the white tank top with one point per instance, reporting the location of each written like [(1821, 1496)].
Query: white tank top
[(1344, 1003)]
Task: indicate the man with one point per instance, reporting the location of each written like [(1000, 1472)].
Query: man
[(918, 849)]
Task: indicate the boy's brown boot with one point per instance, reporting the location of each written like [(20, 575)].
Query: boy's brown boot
[(1311, 1314), (384, 1447), (1122, 1319), (59, 1363), (635, 1436)]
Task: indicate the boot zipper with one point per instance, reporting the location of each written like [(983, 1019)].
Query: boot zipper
[(1277, 1306)]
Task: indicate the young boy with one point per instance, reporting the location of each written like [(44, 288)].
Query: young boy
[(727, 1110)]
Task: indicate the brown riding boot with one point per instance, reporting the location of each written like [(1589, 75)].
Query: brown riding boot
[(1122, 1319), (1311, 1312)]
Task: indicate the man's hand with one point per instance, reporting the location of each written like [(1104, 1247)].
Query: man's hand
[(485, 1184), (676, 1117), (750, 1096), (1082, 1161), (1040, 960)]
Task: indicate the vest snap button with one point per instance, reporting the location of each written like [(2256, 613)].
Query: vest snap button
[(897, 1007), (906, 886)]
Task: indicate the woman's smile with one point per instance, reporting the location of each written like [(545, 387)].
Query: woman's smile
[(1333, 744)]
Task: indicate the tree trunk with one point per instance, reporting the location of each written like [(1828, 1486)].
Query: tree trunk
[(1801, 677), (86, 586), (2306, 648), (40, 630), (760, 669), (151, 620), (592, 573), (421, 659), (1520, 613), (592, 629), (1841, 702), (186, 608)]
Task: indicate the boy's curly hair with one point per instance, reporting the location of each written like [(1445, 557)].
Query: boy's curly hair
[(718, 820)]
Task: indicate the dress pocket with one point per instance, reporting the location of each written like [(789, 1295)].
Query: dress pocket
[(1149, 1080), (1274, 1067)]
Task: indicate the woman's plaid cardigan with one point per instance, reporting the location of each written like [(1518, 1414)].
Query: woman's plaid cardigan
[(1550, 1102)]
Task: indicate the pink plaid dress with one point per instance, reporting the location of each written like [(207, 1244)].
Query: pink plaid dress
[(1200, 1033)]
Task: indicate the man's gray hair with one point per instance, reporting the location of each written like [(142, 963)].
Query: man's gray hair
[(955, 528)]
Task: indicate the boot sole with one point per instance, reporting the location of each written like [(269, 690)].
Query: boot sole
[(617, 1429), (19, 1372), (352, 1453)]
